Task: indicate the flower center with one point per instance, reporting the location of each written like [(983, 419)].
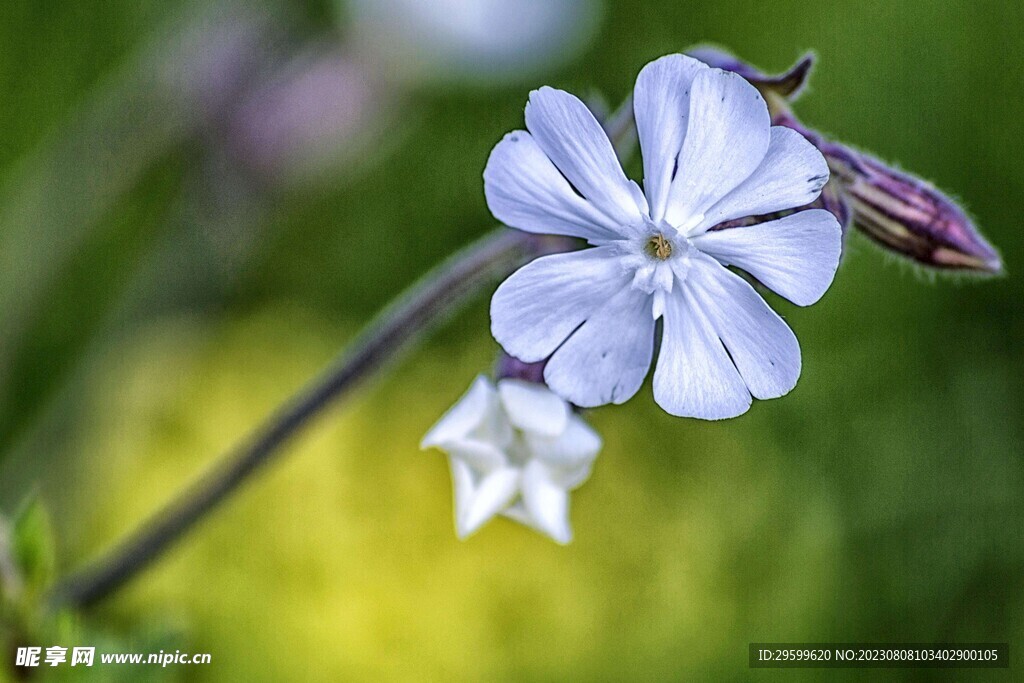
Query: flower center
[(658, 247)]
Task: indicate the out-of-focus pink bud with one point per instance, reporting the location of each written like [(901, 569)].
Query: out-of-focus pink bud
[(311, 115), (899, 211), (217, 52)]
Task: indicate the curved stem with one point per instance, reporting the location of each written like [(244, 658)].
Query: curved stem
[(440, 293)]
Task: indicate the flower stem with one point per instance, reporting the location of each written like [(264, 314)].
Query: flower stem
[(438, 294)]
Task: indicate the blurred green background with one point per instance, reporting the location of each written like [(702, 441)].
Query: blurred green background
[(168, 276)]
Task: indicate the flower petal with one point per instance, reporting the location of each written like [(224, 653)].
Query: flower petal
[(661, 106), (463, 487), (573, 139), (539, 305), (762, 346), (796, 256), (465, 416), (572, 478), (546, 503), (694, 376), (482, 456), (517, 512), (493, 494), (607, 358), (726, 139), (524, 190), (790, 176), (577, 444), (533, 408)]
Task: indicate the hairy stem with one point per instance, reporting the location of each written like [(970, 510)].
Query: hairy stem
[(428, 302)]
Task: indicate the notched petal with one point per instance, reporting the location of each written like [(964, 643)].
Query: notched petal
[(464, 417)]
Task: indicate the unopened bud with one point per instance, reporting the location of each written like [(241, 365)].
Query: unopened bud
[(909, 216)]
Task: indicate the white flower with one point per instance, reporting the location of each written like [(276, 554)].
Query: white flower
[(710, 155), (516, 450), (472, 39)]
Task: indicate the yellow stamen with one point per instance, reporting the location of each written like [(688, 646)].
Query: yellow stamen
[(659, 247)]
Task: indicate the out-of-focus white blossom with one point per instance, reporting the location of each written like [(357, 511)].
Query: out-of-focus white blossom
[(472, 39), (517, 450)]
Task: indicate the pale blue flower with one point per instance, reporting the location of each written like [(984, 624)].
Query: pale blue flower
[(710, 155)]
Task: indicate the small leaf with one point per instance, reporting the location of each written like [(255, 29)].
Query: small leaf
[(32, 545)]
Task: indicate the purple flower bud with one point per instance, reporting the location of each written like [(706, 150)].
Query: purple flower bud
[(314, 113), (899, 211), (909, 216)]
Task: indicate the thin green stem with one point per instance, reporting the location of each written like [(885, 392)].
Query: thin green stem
[(436, 296)]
